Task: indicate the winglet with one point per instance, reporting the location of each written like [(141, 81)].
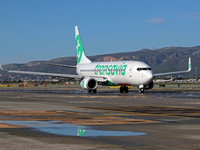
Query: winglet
[(1, 67), (189, 65)]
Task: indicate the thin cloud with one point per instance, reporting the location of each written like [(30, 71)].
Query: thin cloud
[(191, 16), (156, 21)]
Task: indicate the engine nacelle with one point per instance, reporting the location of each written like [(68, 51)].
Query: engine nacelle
[(89, 83), (150, 86)]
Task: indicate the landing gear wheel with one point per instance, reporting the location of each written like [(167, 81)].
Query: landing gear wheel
[(121, 89), (95, 90), (141, 90), (126, 89)]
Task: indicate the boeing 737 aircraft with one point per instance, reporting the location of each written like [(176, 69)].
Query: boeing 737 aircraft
[(92, 74)]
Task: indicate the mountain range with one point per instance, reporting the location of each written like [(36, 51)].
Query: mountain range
[(161, 60)]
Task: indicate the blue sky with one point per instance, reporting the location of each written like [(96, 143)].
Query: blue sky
[(44, 29)]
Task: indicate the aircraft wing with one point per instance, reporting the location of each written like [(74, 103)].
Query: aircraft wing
[(170, 73), (47, 74), (61, 65), (80, 77), (177, 72)]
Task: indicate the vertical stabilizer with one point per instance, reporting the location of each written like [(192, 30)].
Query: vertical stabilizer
[(81, 58)]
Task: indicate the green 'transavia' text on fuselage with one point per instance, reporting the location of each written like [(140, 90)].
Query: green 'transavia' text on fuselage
[(110, 69)]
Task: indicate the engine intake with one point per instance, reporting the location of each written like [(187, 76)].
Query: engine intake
[(89, 83), (150, 86)]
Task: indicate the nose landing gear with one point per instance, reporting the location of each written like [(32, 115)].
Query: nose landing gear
[(141, 89)]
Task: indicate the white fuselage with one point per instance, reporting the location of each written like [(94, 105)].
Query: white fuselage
[(118, 72)]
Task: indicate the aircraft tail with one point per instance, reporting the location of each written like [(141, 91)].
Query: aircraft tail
[(81, 58)]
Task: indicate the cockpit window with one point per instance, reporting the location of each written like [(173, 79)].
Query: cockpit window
[(139, 69)]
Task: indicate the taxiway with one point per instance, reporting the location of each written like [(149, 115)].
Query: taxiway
[(66, 117)]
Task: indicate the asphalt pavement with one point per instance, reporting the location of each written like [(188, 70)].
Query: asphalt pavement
[(67, 117)]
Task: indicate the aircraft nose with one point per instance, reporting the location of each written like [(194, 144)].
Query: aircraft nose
[(149, 76)]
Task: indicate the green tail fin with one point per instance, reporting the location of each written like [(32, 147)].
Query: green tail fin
[(81, 58)]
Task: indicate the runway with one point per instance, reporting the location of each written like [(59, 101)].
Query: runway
[(66, 117)]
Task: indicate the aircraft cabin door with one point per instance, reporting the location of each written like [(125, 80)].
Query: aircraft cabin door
[(131, 71)]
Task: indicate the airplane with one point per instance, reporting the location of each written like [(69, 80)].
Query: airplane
[(122, 73)]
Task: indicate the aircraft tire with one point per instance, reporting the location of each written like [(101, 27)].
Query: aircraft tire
[(126, 89), (141, 90), (121, 89)]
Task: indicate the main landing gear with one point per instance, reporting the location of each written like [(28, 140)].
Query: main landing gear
[(123, 89), (94, 91)]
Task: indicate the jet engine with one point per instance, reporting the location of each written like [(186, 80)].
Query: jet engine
[(150, 86), (89, 84)]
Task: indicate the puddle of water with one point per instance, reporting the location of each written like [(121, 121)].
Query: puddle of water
[(66, 129), (157, 94), (178, 94), (7, 117), (11, 117)]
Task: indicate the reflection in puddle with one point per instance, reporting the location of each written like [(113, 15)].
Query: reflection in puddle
[(10, 117), (176, 95), (60, 128), (157, 94)]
